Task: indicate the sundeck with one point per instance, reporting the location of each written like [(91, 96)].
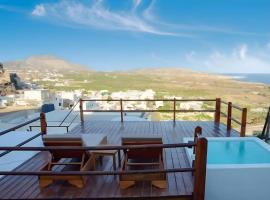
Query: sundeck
[(182, 180)]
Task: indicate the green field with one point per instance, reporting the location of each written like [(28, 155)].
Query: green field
[(175, 82)]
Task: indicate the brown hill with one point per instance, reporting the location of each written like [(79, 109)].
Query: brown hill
[(44, 63)]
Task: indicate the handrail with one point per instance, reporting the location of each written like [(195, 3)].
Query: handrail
[(233, 105), (53, 126), (148, 100), (266, 127), (212, 110), (19, 126), (69, 112), (73, 120), (21, 144), (229, 117), (57, 126), (91, 173), (121, 111), (101, 147)]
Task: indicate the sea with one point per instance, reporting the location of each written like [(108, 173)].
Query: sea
[(253, 78)]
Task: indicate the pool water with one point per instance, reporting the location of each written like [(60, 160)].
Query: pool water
[(236, 152)]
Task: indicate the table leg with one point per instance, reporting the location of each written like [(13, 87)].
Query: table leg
[(94, 161), (119, 158), (114, 163)]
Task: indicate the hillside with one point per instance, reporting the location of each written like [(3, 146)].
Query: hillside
[(44, 63)]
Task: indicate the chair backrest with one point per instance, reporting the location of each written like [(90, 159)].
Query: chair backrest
[(153, 153), (63, 141)]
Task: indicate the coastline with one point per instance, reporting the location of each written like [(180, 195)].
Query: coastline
[(251, 78)]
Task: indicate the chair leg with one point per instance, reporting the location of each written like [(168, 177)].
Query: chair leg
[(100, 160), (126, 184), (94, 162), (44, 181), (162, 184), (119, 158), (76, 182)]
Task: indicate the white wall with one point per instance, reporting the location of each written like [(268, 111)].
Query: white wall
[(238, 183)]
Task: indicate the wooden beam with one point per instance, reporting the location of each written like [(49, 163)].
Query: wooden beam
[(197, 133), (229, 116), (243, 122), (174, 108), (200, 169), (121, 110), (81, 110), (217, 110), (43, 123)]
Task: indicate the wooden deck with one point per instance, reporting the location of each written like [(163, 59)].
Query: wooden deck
[(180, 185)]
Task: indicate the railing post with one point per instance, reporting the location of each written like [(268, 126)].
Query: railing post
[(197, 133), (243, 122), (200, 169), (268, 127), (81, 110), (217, 111), (229, 116), (174, 108), (43, 123), (121, 110), (265, 132)]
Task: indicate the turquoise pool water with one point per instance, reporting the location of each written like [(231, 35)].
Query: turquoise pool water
[(236, 152)]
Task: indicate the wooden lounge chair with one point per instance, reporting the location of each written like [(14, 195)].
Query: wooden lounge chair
[(141, 159), (69, 160)]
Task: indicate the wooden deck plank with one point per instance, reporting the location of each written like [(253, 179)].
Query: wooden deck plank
[(108, 186)]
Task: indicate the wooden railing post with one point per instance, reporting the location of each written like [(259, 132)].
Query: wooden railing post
[(174, 108), (121, 110), (243, 122), (217, 111), (197, 133), (229, 116), (200, 169), (81, 110), (43, 123)]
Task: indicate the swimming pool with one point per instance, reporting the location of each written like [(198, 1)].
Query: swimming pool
[(237, 168)]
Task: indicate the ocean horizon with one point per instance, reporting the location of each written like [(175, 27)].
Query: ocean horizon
[(250, 77)]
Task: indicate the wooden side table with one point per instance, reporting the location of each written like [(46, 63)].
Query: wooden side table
[(103, 153)]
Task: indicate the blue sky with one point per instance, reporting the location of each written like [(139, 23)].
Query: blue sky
[(208, 35)]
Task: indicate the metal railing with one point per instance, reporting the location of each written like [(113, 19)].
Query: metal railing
[(61, 123), (266, 127), (17, 127)]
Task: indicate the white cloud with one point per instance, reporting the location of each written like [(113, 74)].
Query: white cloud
[(268, 45), (241, 52), (39, 10), (189, 56), (238, 60), (136, 3), (96, 15), (148, 12)]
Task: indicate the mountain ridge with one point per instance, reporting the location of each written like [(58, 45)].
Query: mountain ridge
[(44, 63)]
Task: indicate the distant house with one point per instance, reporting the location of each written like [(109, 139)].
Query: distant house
[(6, 100), (90, 105), (41, 95)]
